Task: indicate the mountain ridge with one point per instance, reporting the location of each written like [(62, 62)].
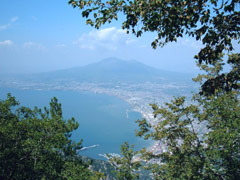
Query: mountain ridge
[(110, 70)]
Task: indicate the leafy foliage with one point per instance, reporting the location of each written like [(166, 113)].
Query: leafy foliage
[(191, 152), (201, 141), (203, 19), (36, 144), (126, 167), (215, 23), (217, 82)]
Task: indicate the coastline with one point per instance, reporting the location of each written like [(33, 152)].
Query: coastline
[(138, 96)]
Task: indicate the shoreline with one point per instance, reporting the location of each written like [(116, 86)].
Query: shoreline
[(137, 98)]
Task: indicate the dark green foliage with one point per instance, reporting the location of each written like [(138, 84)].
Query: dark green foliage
[(182, 159), (223, 151), (201, 139), (191, 151), (126, 167), (216, 82), (35, 144), (100, 167), (216, 23)]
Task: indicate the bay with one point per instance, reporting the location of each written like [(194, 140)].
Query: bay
[(105, 122)]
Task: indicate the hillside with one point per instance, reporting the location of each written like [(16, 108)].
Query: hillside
[(109, 70)]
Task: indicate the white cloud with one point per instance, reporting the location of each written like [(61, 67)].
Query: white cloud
[(6, 26), (6, 42), (3, 27), (108, 38), (14, 19), (33, 45)]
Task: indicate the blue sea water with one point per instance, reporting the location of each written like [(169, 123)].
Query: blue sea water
[(102, 119)]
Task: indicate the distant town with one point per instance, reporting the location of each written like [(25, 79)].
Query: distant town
[(138, 95), (135, 83)]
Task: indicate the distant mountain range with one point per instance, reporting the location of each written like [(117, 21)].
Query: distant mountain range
[(110, 70)]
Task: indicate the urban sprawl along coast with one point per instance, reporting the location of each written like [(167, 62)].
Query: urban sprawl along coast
[(138, 95)]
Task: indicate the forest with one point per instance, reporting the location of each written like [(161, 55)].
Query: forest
[(36, 143)]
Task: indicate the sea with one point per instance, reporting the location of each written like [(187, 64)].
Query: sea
[(105, 122)]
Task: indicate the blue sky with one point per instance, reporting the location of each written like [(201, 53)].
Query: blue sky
[(46, 35)]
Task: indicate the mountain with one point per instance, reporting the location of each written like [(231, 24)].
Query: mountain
[(112, 70)]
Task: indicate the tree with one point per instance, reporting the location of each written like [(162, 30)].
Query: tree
[(217, 82), (201, 141), (126, 167), (191, 152), (215, 23), (36, 144)]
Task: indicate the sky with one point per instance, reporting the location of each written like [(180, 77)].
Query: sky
[(47, 35)]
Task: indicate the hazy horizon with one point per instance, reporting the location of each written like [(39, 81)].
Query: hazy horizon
[(42, 36), (95, 64)]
